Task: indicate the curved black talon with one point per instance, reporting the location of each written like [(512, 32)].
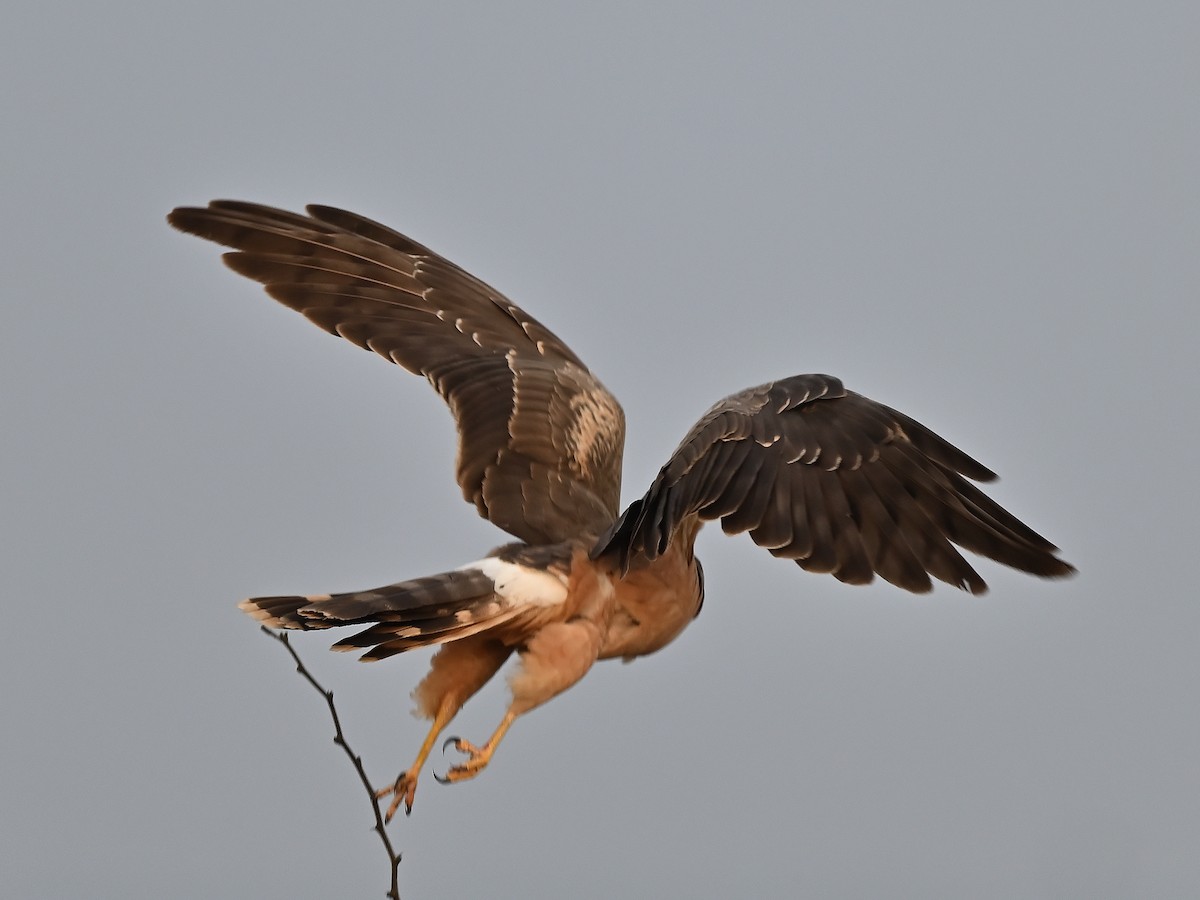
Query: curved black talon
[(441, 779), (448, 742)]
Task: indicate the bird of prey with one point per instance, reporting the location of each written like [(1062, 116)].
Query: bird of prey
[(814, 472)]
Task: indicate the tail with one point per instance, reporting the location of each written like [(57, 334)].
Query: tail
[(406, 615), (517, 580)]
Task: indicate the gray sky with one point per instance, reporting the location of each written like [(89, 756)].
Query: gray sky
[(986, 215)]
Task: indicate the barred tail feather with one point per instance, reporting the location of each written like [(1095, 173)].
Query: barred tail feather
[(418, 612), (386, 639), (415, 598), (282, 612)]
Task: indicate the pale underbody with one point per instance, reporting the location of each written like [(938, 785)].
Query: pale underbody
[(602, 616)]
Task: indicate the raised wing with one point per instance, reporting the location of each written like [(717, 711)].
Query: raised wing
[(837, 482), (540, 438)]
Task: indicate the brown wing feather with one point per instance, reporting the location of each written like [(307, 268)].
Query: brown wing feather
[(540, 438), (837, 482)]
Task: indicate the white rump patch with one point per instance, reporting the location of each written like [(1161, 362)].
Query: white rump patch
[(522, 585)]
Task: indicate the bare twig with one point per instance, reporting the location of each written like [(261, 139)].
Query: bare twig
[(340, 739)]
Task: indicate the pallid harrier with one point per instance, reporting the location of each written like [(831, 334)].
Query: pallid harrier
[(816, 473)]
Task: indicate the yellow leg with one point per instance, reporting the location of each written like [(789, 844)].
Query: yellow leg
[(477, 757), (405, 786)]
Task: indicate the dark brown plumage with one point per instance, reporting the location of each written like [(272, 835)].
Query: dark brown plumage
[(815, 473), (837, 482), (539, 477)]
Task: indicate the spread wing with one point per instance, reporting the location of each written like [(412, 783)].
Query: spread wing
[(837, 482), (540, 438)]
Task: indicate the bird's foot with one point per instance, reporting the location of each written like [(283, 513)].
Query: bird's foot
[(402, 790), (477, 760)]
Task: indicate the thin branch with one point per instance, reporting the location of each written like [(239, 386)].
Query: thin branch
[(340, 739)]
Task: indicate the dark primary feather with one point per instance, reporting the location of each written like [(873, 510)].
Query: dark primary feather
[(837, 482), (540, 438)]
